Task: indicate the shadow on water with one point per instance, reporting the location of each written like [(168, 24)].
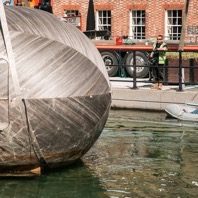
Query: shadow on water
[(139, 154), (75, 181)]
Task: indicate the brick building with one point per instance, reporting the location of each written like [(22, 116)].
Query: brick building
[(138, 19)]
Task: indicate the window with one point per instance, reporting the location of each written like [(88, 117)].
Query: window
[(103, 20), (173, 24), (137, 27), (73, 17), (70, 13)]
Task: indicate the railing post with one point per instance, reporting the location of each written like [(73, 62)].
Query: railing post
[(165, 72), (134, 70), (120, 62), (180, 71), (191, 72)]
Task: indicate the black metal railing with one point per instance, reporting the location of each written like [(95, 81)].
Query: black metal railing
[(180, 67)]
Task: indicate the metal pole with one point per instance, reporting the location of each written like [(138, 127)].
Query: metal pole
[(192, 72), (180, 71), (134, 71), (165, 72), (121, 68)]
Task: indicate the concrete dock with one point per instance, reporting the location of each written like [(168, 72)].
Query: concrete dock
[(144, 97)]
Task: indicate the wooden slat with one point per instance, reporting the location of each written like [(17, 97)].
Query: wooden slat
[(65, 90)]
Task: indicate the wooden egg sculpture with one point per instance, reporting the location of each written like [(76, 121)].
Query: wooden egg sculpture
[(55, 93)]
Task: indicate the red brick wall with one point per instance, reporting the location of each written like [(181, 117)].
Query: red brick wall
[(155, 12)]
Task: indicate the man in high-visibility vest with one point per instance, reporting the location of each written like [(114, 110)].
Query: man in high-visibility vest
[(158, 56)]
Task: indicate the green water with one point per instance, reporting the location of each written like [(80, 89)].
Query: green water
[(139, 154)]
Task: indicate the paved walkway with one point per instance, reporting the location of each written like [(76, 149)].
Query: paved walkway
[(124, 96)]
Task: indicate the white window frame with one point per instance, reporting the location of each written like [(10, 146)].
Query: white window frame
[(134, 25), (172, 24), (71, 13), (103, 21)]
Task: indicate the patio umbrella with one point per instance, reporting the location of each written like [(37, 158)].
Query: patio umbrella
[(90, 17)]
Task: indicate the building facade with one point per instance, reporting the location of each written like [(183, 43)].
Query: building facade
[(138, 19)]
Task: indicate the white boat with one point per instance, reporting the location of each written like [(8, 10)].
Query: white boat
[(188, 111)]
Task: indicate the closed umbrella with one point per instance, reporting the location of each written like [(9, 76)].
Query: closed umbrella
[(90, 17)]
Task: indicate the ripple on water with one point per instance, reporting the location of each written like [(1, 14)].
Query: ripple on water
[(156, 157)]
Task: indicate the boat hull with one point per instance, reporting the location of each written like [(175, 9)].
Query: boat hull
[(183, 112)]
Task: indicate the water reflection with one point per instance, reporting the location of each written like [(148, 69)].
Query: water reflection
[(139, 154), (146, 157), (76, 181)]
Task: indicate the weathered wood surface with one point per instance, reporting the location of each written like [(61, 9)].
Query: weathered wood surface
[(65, 90)]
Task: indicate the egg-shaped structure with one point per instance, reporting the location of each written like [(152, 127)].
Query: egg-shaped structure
[(55, 97)]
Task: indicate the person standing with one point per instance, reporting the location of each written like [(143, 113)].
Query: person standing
[(158, 56)]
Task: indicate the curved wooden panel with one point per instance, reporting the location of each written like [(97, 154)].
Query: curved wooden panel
[(64, 89), (39, 23)]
